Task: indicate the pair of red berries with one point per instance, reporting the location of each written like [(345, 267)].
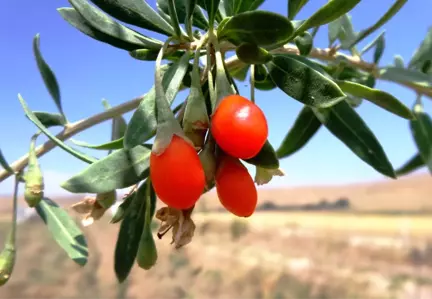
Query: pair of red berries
[(240, 129)]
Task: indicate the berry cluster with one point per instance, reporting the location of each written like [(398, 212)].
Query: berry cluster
[(240, 130)]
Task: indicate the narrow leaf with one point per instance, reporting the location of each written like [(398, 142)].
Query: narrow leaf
[(334, 29), (378, 97), (128, 238), (174, 19), (94, 23), (142, 125), (5, 164), (77, 21), (371, 44), (345, 124), (421, 129), (112, 145), (272, 29), (266, 158), (50, 119), (120, 169), (379, 50), (234, 7), (123, 207), (413, 164), (32, 117), (47, 74), (212, 7), (332, 10), (199, 19), (384, 19), (119, 125), (294, 6), (188, 19), (138, 13), (423, 52), (397, 74), (304, 128), (64, 230), (303, 83)]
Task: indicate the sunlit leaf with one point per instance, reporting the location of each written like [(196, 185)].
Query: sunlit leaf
[(378, 97), (47, 74), (379, 49), (332, 10), (304, 128), (199, 19), (372, 44), (398, 74), (233, 7), (142, 125), (112, 145), (94, 23), (32, 117), (64, 230), (303, 83), (416, 162), (421, 129), (423, 52), (138, 13), (120, 169), (384, 19), (294, 6), (272, 30), (345, 124)]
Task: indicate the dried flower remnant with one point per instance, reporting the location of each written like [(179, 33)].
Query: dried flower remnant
[(94, 207), (181, 223)]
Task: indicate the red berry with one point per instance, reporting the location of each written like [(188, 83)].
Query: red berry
[(177, 174), (235, 187), (239, 127)]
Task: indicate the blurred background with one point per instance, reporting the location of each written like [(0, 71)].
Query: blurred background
[(331, 228)]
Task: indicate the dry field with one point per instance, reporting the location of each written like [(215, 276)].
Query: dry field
[(271, 255)]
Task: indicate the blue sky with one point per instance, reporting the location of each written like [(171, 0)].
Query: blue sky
[(88, 71)]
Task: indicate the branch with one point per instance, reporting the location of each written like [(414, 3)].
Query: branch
[(71, 130), (327, 54)]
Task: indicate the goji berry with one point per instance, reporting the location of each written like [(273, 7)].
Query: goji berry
[(235, 187), (177, 174), (239, 127)]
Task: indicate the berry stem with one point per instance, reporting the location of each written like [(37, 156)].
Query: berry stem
[(167, 124), (252, 83)]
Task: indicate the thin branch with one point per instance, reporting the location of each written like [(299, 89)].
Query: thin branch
[(72, 129), (329, 54)]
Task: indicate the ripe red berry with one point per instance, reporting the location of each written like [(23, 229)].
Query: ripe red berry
[(239, 127), (177, 174), (235, 187)]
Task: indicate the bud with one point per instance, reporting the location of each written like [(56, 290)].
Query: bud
[(7, 262), (252, 54), (34, 183), (147, 252)]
